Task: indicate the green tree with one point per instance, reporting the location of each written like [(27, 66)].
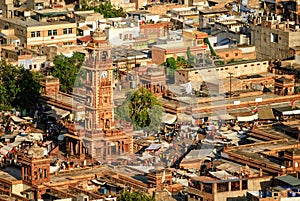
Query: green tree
[(134, 196), (182, 63), (8, 84), (140, 104), (122, 111), (28, 83), (19, 87), (109, 11), (66, 69), (212, 51), (171, 63), (155, 114)]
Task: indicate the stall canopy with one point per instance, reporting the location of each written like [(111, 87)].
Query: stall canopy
[(222, 117), (245, 115), (185, 117), (222, 175), (199, 154), (288, 110), (247, 118), (57, 113), (169, 118), (265, 113), (7, 148), (153, 147), (17, 119)]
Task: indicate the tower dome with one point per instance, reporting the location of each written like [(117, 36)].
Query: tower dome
[(98, 36)]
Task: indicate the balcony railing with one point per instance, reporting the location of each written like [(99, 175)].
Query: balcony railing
[(96, 62)]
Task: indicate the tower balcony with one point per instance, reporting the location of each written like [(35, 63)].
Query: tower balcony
[(92, 62)]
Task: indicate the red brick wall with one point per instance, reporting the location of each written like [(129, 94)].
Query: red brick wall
[(158, 55)]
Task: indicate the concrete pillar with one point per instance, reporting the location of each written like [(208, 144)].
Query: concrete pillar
[(229, 186), (214, 188), (71, 148), (32, 175), (29, 176), (23, 172), (241, 185), (80, 147), (77, 147)]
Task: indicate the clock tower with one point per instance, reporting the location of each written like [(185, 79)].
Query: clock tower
[(101, 139), (99, 84)]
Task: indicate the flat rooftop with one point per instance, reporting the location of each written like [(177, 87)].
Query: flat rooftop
[(32, 22), (77, 174), (213, 10)]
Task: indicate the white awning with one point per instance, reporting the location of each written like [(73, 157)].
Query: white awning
[(291, 112), (97, 182), (27, 118), (222, 117), (17, 119), (154, 147), (169, 118), (58, 113), (248, 118)]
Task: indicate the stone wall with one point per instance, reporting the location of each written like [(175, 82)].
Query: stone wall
[(261, 37), (218, 73), (163, 9)]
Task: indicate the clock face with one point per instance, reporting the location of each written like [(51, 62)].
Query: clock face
[(104, 74)]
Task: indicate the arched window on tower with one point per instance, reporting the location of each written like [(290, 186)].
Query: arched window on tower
[(104, 56)]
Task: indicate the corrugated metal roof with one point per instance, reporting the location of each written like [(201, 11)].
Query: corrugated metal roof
[(290, 180)]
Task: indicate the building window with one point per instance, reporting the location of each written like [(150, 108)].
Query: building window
[(244, 185), (70, 30), (226, 68), (236, 67), (274, 38), (104, 56), (120, 36), (49, 32), (245, 65), (55, 32), (236, 54), (38, 34), (32, 34), (222, 187), (226, 55), (45, 173), (65, 31), (30, 67)]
